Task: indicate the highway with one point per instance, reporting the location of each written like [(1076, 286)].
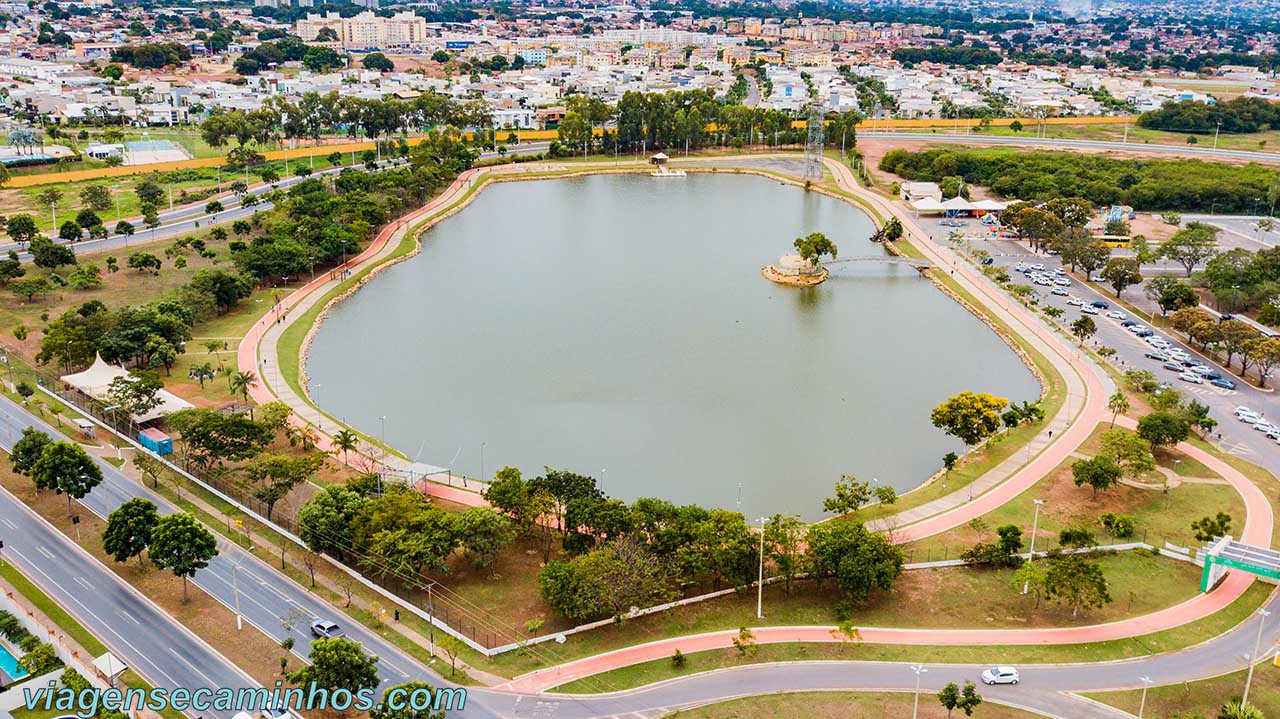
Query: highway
[(1057, 143)]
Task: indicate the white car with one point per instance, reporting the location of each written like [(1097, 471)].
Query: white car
[(1000, 675), (1248, 417), (1097, 278), (1191, 377), (1179, 353), (1263, 425), (1089, 310), (1076, 302), (1243, 410), (1062, 282), (1058, 291), (1117, 315)]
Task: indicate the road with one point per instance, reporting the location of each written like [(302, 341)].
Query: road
[(1051, 143), (188, 218), (1236, 438), (753, 91)]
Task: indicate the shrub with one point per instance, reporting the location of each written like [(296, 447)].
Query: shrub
[(1119, 525), (678, 659)]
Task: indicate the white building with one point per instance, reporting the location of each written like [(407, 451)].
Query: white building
[(366, 30)]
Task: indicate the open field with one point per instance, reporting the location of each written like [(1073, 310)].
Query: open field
[(1203, 697), (1137, 136)]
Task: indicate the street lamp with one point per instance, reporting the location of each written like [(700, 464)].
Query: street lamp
[(918, 669), (482, 461), (760, 576), (1146, 682), (1035, 524), (1253, 658)]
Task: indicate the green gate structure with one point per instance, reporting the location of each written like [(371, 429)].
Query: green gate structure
[(1223, 553)]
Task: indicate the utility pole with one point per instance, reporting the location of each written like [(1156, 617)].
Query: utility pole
[(1035, 523), (1216, 130), (918, 669), (1253, 658), (760, 576)]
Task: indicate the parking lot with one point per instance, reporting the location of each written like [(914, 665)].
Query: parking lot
[(1076, 298)]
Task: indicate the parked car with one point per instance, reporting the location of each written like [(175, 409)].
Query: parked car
[(1248, 417), (1058, 291), (1062, 282), (987, 261), (1117, 315), (1097, 278), (1157, 355), (1076, 302), (1144, 332), (1263, 425), (1174, 367), (1100, 304), (1191, 377), (1000, 675), (325, 629), (1223, 383), (1128, 323), (1089, 310)]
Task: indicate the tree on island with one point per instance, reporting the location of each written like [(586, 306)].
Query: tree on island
[(814, 246)]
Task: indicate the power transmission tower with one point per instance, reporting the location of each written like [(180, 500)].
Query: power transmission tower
[(813, 147)]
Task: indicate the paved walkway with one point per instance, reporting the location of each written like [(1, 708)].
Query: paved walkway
[(1257, 526)]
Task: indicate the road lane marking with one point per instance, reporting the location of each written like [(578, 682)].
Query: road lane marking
[(208, 682), (81, 581)]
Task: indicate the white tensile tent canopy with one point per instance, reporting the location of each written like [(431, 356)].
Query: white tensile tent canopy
[(95, 381)]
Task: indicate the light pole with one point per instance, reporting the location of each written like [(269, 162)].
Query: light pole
[(1146, 682), (918, 669), (1253, 658), (760, 576), (235, 585), (1035, 524), (1216, 130), (482, 461)]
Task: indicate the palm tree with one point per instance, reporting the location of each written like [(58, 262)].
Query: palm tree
[(1118, 404), (345, 442), (241, 382), (202, 372)]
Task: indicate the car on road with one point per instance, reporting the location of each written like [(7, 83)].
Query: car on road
[(1058, 291), (1089, 310), (1100, 304), (1117, 315), (1097, 278), (1223, 383), (1156, 355), (279, 711), (987, 260), (1191, 377), (325, 629), (1000, 675)]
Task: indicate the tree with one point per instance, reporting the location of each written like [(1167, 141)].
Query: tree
[(783, 540), (67, 469), (96, 198), (136, 394), (949, 697), (1084, 328), (1121, 272), (1118, 403), (1237, 709), (1209, 528), (860, 561), (1236, 335), (607, 581), (338, 663), (1032, 576), (1191, 245), (969, 699), (270, 478), (814, 246), (1170, 294), (144, 262), (27, 450), (1076, 582), (378, 61), (346, 442), (1265, 351), (1001, 553), (30, 287), (850, 495), (21, 228), (210, 437), (484, 534), (1100, 472), (418, 700), (324, 522), (1129, 451), (126, 228), (180, 544), (969, 416), (129, 528), (1163, 428), (241, 382), (49, 254), (322, 59)]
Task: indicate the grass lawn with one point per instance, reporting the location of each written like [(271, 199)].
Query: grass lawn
[(1169, 640), (952, 598), (1159, 516), (1137, 136), (1202, 698), (836, 705)]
